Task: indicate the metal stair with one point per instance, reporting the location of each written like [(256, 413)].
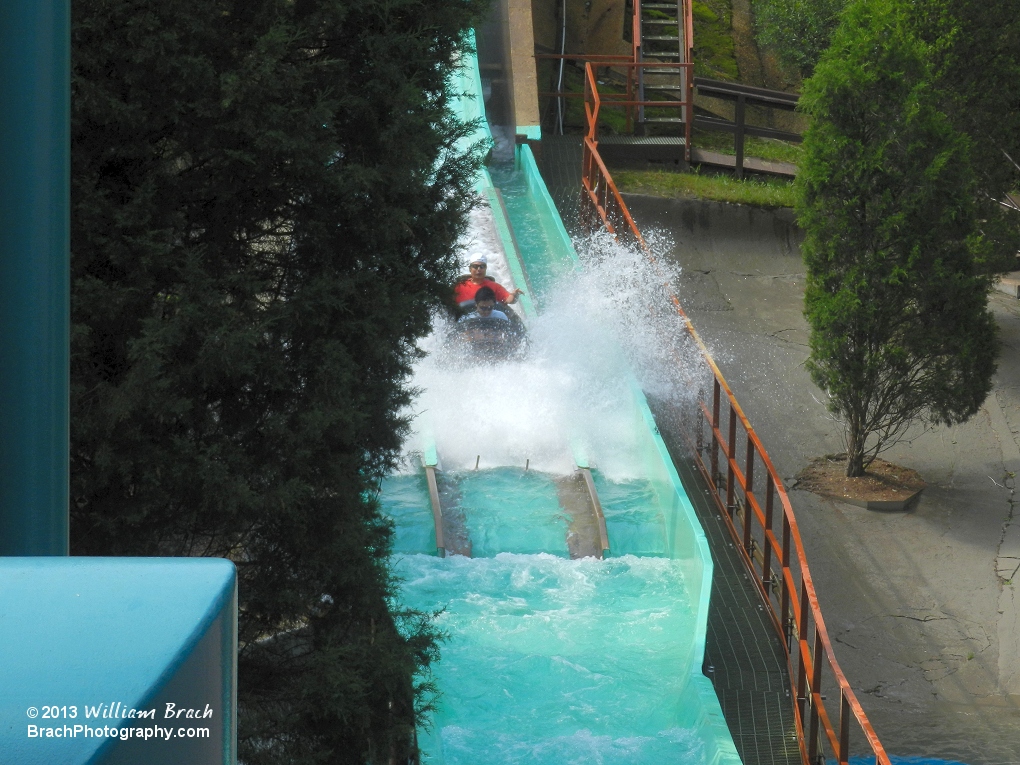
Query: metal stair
[(661, 39)]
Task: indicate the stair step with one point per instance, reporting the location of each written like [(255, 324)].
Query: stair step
[(660, 22), (645, 140), (659, 6), (652, 86), (664, 120), (660, 38), (660, 54)]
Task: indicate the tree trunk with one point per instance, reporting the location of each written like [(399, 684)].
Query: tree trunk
[(854, 450)]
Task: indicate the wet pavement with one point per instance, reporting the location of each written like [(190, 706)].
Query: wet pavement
[(921, 605)]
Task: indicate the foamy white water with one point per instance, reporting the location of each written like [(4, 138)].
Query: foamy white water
[(574, 388)]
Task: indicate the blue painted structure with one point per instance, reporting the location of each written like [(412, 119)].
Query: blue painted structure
[(89, 634), (85, 643), (35, 91)]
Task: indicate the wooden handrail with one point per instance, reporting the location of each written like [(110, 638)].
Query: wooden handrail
[(790, 605), (743, 96), (595, 58), (776, 99)]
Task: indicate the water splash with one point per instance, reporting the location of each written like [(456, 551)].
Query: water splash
[(633, 290), (599, 328)]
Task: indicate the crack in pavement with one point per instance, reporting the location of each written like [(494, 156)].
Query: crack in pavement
[(921, 619), (877, 690), (776, 336)]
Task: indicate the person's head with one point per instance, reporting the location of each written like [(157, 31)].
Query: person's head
[(485, 301), (478, 266)]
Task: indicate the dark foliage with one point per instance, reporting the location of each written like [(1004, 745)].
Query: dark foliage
[(898, 266), (973, 48), (266, 196), (798, 31)]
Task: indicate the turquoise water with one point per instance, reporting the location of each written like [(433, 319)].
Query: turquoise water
[(532, 232), (634, 520), (405, 500), (557, 661), (517, 511), (549, 660), (509, 510)]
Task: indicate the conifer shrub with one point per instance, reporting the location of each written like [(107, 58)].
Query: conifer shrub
[(898, 268), (266, 199)]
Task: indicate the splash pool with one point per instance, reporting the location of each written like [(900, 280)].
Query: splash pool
[(558, 661), (551, 660)]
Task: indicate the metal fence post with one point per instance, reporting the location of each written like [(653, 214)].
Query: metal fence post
[(738, 135)]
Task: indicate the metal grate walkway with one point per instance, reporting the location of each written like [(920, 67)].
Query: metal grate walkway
[(743, 655)]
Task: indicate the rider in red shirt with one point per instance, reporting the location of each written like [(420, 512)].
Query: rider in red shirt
[(469, 284)]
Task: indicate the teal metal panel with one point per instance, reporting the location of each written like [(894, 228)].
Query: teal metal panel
[(95, 650), (34, 275)]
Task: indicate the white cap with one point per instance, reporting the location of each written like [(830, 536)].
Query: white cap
[(480, 259)]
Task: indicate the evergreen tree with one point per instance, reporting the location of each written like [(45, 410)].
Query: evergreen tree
[(797, 30), (897, 265), (973, 49), (266, 197)]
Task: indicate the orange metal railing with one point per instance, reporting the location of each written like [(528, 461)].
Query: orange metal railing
[(760, 517), (603, 201), (688, 13)]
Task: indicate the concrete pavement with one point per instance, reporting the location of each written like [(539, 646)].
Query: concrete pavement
[(922, 605)]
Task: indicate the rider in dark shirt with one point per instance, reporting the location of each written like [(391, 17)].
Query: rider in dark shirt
[(485, 306)]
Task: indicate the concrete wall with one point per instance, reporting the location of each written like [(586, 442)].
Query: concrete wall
[(493, 40), (522, 64), (593, 26)]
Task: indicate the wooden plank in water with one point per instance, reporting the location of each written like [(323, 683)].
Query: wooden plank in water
[(454, 525), (586, 533), (597, 507), (437, 510)]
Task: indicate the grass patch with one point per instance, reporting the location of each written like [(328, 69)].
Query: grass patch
[(714, 50), (764, 148), (768, 192)]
